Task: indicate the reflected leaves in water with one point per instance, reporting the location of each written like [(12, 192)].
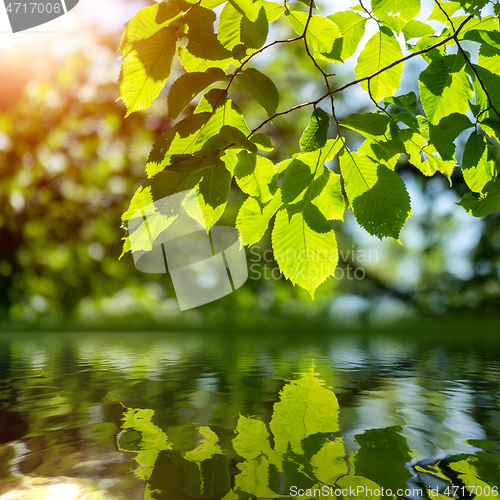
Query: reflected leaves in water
[(298, 448), (382, 457)]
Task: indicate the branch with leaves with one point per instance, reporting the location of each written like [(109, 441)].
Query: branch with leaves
[(300, 196)]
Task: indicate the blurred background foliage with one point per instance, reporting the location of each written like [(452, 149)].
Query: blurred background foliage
[(70, 162)]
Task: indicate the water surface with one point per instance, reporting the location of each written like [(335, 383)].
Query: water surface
[(186, 416)]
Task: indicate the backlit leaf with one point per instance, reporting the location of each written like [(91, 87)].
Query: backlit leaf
[(484, 204), (261, 88), (146, 69), (321, 31), (229, 28), (445, 88), (395, 13), (254, 34), (304, 247), (376, 194), (479, 165), (254, 174), (249, 8), (315, 135), (446, 131), (253, 219), (352, 28), (187, 86), (381, 50), (203, 41), (406, 101)]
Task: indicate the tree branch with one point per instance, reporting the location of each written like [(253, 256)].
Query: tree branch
[(325, 76), (367, 78)]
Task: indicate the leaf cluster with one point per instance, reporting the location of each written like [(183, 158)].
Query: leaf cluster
[(212, 146)]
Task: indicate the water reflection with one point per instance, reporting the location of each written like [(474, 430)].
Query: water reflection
[(183, 417)]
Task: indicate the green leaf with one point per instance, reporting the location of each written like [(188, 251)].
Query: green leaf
[(141, 198), (197, 132), (186, 171), (189, 85), (253, 440), (352, 28), (321, 31), (304, 247), (473, 6), (382, 455), (434, 163), (315, 135), (413, 143), (329, 463), (305, 408), (370, 125), (386, 152), (207, 448), (441, 10), (254, 34), (192, 63), (203, 42), (409, 120), (445, 88), (262, 141), (146, 69), (249, 8), (254, 174), (484, 204), (376, 194), (329, 199), (208, 4), (200, 131), (261, 88), (423, 155), (229, 27), (489, 57), (489, 39), (469, 474), (273, 10), (492, 83), (147, 22), (381, 50), (142, 237), (216, 182), (479, 165), (446, 131), (491, 126), (208, 215), (486, 24), (234, 137), (395, 13), (253, 219), (301, 179), (297, 179), (406, 101), (416, 29)]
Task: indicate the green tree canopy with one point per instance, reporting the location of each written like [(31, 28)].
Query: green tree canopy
[(221, 45)]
